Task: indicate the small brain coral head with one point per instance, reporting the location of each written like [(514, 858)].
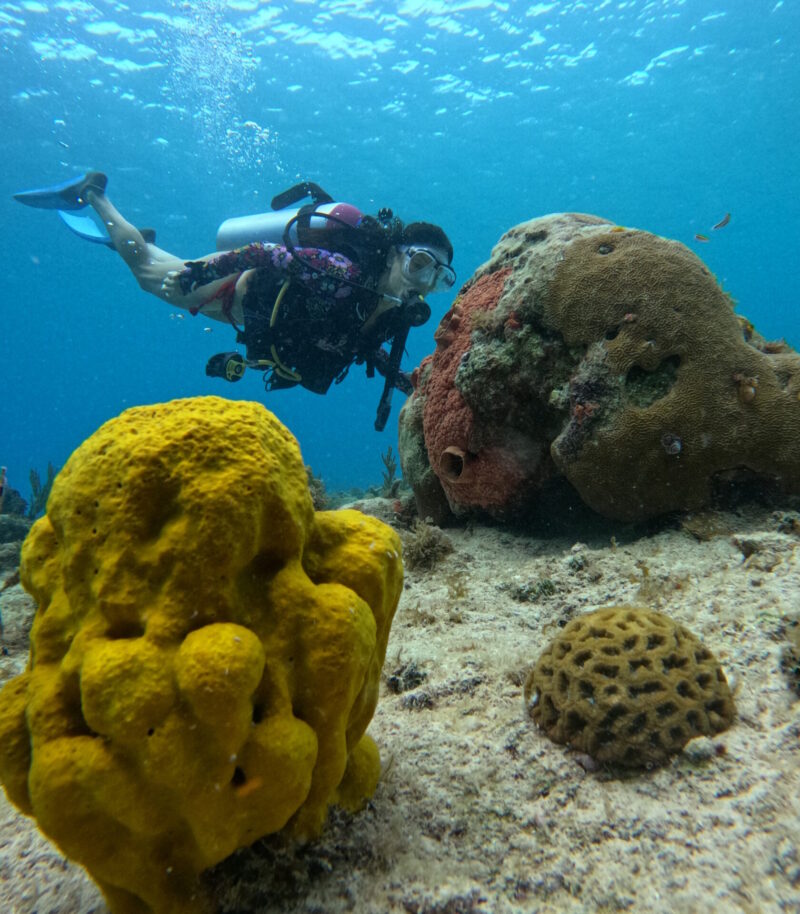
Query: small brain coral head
[(629, 686), (206, 653)]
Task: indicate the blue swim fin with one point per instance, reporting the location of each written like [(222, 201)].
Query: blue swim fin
[(85, 227), (68, 195)]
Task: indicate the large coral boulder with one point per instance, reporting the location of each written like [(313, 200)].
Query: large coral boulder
[(206, 653), (605, 355)]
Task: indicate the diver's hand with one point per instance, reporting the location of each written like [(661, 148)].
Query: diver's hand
[(404, 383), (181, 282), (171, 286)]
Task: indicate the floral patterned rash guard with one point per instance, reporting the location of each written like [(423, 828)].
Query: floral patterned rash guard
[(315, 332), (304, 264)]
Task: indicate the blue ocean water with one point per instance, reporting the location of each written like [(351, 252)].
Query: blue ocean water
[(477, 115)]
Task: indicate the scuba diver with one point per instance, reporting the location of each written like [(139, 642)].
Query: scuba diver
[(310, 290)]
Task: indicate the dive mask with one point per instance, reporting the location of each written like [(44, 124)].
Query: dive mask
[(424, 271)]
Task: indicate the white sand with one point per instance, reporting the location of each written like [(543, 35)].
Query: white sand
[(478, 811)]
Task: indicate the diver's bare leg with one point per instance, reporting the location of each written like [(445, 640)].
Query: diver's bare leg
[(148, 263), (157, 270)]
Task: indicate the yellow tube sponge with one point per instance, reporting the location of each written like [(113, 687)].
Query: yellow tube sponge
[(206, 654)]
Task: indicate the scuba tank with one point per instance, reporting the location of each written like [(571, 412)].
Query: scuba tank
[(307, 225)]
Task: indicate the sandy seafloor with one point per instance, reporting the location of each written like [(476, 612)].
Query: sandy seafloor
[(476, 809)]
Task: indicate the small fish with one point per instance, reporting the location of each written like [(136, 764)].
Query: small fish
[(619, 228), (722, 222), (207, 330), (701, 237), (62, 143)]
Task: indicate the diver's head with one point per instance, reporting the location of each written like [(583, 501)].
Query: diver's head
[(419, 262), (425, 269), (428, 235), (427, 255)]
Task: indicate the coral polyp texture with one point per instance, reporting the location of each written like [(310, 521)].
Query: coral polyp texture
[(608, 356), (628, 685), (206, 653)]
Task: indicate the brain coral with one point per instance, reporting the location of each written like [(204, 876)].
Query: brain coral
[(628, 685), (206, 653), (605, 355)]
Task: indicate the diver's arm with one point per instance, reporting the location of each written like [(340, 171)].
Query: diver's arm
[(198, 273), (275, 257)]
